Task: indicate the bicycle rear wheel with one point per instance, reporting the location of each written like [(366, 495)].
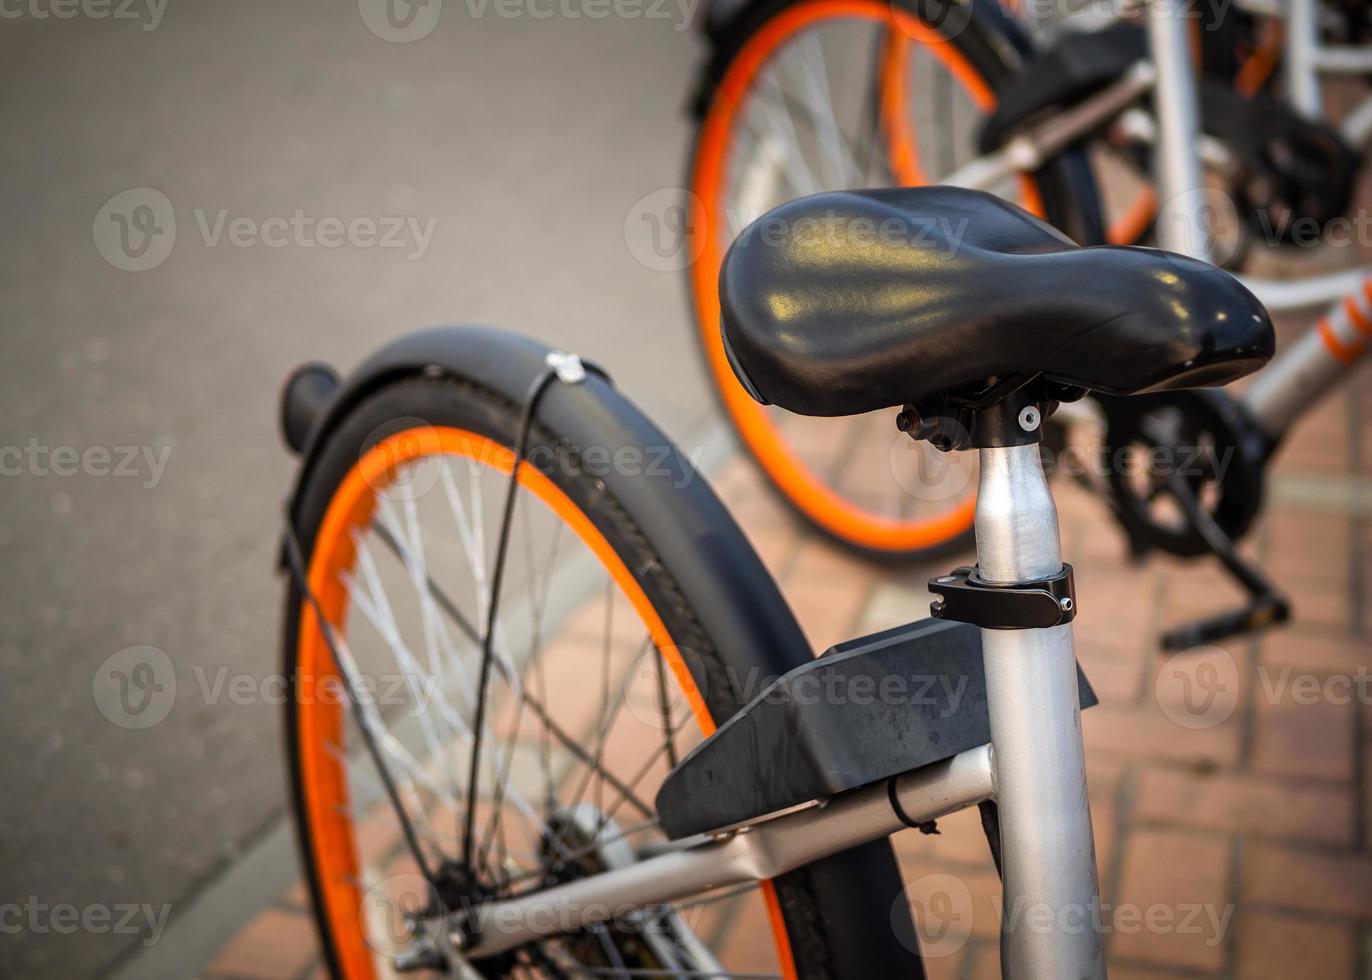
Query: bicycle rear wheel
[(603, 675), (811, 95)]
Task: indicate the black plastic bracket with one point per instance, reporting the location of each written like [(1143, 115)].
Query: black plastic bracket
[(864, 711), (964, 597)]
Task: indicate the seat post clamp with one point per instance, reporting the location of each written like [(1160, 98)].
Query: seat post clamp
[(964, 597)]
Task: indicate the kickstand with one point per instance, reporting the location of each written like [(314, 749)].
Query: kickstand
[(1266, 606)]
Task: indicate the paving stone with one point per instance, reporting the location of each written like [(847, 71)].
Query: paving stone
[(1173, 899), (1146, 733), (828, 609), (1246, 804), (1273, 946), (275, 945), (1313, 880), (1299, 729)]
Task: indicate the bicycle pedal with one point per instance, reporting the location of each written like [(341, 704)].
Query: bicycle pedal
[(1264, 613)]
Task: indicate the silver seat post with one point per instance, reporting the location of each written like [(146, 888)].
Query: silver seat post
[(1182, 224), (1050, 922)]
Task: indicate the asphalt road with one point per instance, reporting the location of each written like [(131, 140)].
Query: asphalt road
[(500, 158)]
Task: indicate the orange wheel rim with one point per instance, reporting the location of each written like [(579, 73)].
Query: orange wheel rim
[(819, 502), (320, 721)]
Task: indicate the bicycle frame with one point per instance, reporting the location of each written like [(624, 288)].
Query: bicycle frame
[(1300, 375), (1306, 58), (1034, 768), (1296, 379)]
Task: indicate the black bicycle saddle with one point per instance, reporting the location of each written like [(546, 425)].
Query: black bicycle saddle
[(847, 302)]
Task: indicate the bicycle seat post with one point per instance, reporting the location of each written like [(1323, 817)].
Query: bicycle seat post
[(977, 334), (1050, 922), (1181, 226)]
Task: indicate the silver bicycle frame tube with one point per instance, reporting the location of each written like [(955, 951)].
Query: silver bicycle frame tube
[(1312, 366), (1179, 225), (1048, 855), (1357, 125), (1302, 47), (766, 850), (1305, 57)]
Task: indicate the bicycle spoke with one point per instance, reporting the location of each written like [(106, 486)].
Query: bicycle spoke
[(596, 765), (477, 763), (665, 708), (838, 163), (434, 627), (647, 767), (539, 598), (781, 126), (377, 611), (606, 645)]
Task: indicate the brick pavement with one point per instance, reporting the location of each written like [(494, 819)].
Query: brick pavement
[(1242, 827)]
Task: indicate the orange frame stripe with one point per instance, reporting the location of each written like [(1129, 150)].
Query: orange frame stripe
[(1347, 353), (1356, 315)]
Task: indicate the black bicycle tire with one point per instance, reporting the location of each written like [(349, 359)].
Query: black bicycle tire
[(826, 906), (996, 49)]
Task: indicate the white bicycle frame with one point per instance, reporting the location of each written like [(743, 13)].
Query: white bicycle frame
[(1307, 57), (1034, 768), (1315, 364), (1319, 360)]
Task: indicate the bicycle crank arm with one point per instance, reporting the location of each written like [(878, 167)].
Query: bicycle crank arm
[(1266, 607), (756, 853)]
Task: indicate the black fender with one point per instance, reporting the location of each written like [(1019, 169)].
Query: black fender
[(685, 526), (730, 590), (1076, 67)]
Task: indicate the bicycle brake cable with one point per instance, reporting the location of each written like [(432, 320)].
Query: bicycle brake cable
[(570, 369)]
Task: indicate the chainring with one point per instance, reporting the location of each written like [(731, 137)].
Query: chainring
[(1201, 436)]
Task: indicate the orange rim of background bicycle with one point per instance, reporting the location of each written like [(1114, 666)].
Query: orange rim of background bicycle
[(819, 502), (320, 721)]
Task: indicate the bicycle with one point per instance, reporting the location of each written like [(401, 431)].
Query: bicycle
[(544, 855), (1031, 126), (1264, 134)]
